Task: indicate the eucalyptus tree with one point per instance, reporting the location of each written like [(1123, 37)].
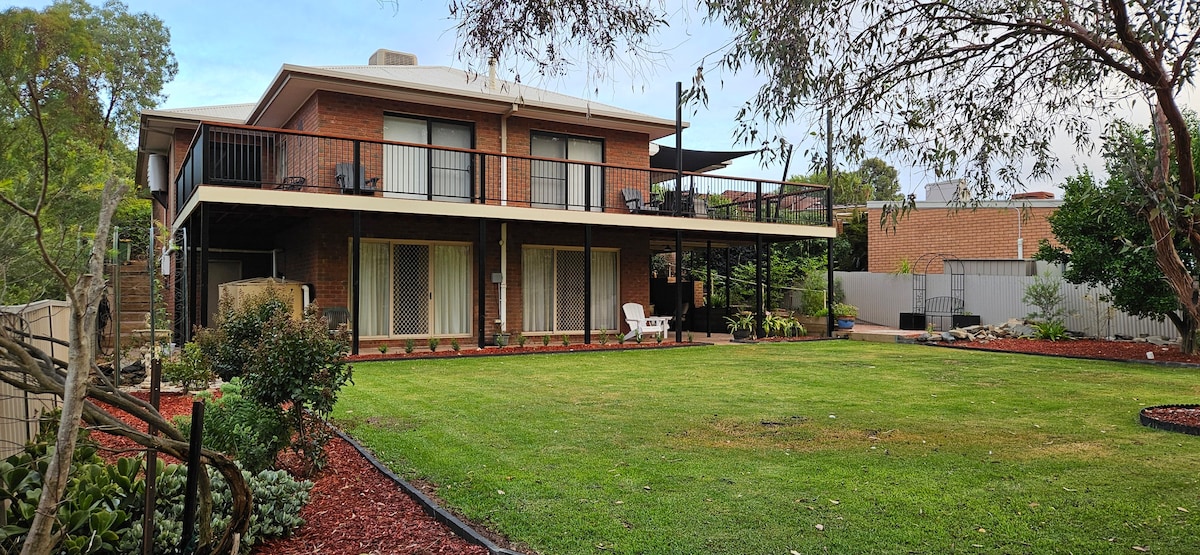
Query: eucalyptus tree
[(979, 89)]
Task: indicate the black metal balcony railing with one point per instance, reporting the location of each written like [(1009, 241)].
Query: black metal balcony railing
[(251, 157)]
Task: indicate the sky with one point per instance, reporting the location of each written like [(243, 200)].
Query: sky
[(229, 51)]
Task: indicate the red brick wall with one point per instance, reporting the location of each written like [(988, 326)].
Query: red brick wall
[(983, 233), (318, 252)]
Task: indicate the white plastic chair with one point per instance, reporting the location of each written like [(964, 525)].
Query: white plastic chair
[(638, 322)]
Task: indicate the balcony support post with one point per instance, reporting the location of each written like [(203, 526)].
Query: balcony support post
[(203, 269), (758, 283), (708, 290), (355, 274), (587, 281), (767, 303), (481, 293), (678, 286), (829, 221), (758, 215), (357, 173), (678, 151)]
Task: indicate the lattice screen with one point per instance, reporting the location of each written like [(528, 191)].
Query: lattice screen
[(410, 303), (569, 309)]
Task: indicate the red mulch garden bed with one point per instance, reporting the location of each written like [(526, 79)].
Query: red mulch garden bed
[(354, 508), (1085, 348), (529, 348)]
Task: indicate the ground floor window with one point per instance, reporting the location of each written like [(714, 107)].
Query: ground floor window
[(552, 289), (412, 289)]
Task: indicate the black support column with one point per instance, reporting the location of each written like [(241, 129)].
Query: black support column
[(678, 286), (355, 279), (587, 284), (203, 269), (758, 283), (708, 290), (481, 300)]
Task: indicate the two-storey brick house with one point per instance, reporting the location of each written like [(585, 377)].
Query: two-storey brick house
[(427, 201)]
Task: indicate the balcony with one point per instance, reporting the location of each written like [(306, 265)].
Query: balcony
[(258, 158)]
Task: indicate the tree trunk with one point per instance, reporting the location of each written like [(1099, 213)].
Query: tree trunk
[(82, 354)]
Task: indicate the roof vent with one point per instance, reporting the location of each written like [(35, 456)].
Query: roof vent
[(385, 57)]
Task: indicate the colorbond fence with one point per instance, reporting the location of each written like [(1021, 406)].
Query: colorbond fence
[(19, 411)]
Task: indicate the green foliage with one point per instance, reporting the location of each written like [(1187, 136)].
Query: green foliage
[(383, 348), (1106, 240), (454, 346), (659, 337), (240, 329), (620, 338), (565, 340), (73, 78), (1054, 330), (881, 177), (850, 246), (409, 345), (740, 321), (192, 369), (1045, 293), (843, 310), (100, 500), (433, 344), (299, 365), (278, 500), (604, 337), (238, 426), (521, 339), (546, 340)]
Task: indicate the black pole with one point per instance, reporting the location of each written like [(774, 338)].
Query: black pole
[(355, 279), (728, 300), (678, 149), (481, 293), (151, 463), (708, 290), (587, 283), (769, 282), (202, 271), (678, 286), (192, 488), (758, 300), (829, 221)]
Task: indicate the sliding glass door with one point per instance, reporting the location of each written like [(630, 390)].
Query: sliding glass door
[(553, 289), (426, 173), (415, 289), (573, 186)]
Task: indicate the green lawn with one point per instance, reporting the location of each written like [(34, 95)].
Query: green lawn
[(820, 447)]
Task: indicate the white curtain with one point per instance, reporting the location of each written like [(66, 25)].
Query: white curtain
[(451, 289), (604, 290), (548, 180), (537, 289), (451, 170), (405, 168), (375, 278), (585, 150)]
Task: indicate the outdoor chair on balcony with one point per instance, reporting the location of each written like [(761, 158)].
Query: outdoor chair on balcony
[(648, 326), (292, 183), (637, 203), (366, 186), (336, 317)]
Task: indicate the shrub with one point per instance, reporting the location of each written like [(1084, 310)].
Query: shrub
[(1045, 293), (566, 341), (301, 366), (1053, 330), (409, 345), (254, 434), (620, 338), (604, 337), (383, 348), (454, 346), (690, 338), (191, 369), (239, 331), (433, 344), (521, 339), (659, 337), (545, 340)]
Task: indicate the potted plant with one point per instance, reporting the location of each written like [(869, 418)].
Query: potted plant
[(845, 315), (500, 337), (741, 325)]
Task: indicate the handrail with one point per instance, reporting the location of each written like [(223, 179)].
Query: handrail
[(249, 156)]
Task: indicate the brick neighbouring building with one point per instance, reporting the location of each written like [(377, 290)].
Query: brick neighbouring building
[(989, 231)]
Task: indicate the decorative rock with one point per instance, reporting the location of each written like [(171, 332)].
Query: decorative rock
[(947, 337), (961, 333), (1140, 340), (1161, 342), (1021, 331)]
